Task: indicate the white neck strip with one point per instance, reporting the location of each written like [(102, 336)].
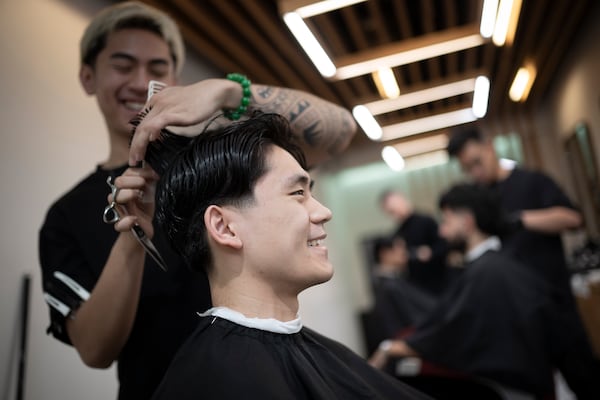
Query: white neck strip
[(264, 324), (491, 243)]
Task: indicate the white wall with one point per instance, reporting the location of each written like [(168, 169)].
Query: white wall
[(575, 96), (52, 135)]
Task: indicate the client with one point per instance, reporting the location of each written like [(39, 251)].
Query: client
[(237, 202)]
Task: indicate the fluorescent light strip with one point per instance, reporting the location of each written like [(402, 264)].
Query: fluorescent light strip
[(322, 7), (310, 44), (427, 124), (409, 56), (506, 22), (421, 97), (365, 119), (488, 18), (481, 96), (392, 158), (386, 83), (519, 90)]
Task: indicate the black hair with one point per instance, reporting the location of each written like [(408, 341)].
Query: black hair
[(482, 202), (382, 243), (218, 167), (459, 140)]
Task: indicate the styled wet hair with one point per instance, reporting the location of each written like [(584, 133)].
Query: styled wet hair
[(482, 202), (382, 243), (459, 140), (218, 167), (130, 15)]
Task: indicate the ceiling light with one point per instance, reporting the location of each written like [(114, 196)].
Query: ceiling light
[(488, 18), (386, 83), (506, 22), (321, 7), (427, 144), (427, 124), (367, 122), (422, 96), (393, 57), (481, 95), (521, 86), (392, 158), (310, 44)]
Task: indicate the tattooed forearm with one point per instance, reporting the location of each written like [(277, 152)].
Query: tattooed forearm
[(323, 128), (300, 107)]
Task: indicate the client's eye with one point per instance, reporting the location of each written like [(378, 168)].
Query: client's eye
[(298, 192)]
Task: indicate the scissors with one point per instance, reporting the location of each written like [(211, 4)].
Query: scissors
[(111, 216)]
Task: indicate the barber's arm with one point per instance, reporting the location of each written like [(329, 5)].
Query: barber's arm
[(323, 128), (100, 327), (551, 220)]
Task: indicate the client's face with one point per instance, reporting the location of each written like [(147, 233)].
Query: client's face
[(283, 231), (453, 228)]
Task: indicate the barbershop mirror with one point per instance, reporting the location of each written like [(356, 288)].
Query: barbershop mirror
[(581, 158)]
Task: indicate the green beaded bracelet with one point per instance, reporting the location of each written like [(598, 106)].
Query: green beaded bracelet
[(234, 115)]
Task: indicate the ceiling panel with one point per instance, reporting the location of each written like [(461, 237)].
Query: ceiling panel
[(250, 36)]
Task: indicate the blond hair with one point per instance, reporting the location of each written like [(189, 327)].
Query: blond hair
[(131, 14)]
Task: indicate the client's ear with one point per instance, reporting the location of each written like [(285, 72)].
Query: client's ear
[(218, 226)]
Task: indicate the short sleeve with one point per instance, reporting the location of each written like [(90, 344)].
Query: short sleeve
[(66, 279), (550, 194)]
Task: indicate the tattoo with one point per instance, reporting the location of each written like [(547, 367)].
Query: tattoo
[(302, 105), (341, 140), (311, 134), (265, 92)]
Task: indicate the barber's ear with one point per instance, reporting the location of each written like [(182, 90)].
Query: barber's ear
[(220, 228), (87, 77)]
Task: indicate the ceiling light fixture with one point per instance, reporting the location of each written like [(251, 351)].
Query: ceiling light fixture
[(367, 122), (427, 144), (506, 22), (392, 158), (369, 61), (310, 44), (521, 86), (315, 8), (386, 83), (427, 124), (428, 95), (481, 96), (488, 18)]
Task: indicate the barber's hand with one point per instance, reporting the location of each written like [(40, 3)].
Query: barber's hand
[(183, 106), (135, 199), (379, 359)]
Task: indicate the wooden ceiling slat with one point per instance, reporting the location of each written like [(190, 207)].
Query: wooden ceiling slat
[(513, 56), (429, 25), (407, 31), (294, 54), (264, 51), (354, 27), (550, 53), (358, 85), (239, 51), (250, 36), (452, 58)]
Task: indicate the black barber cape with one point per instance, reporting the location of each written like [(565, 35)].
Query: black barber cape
[(501, 321), (226, 360)]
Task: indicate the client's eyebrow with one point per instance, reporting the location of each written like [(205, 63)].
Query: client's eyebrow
[(301, 179)]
